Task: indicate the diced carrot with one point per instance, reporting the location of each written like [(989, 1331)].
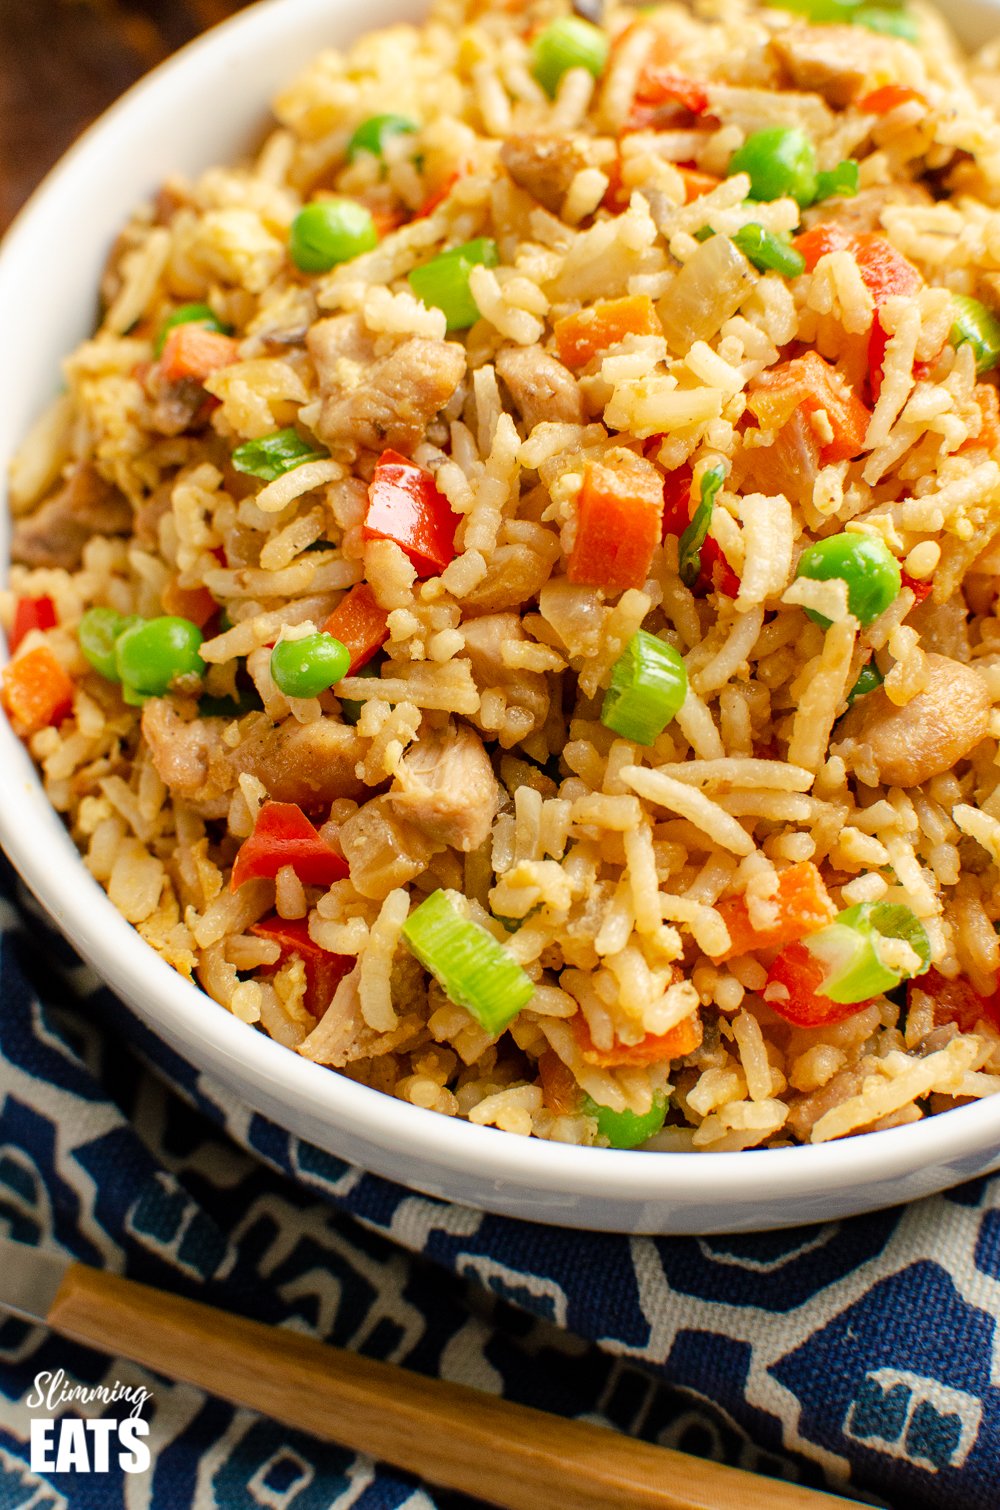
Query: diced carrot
[(653, 1049), (988, 399), (581, 336), (881, 101), (194, 603), (696, 183), (192, 351), (438, 196), (821, 239), (560, 1091), (36, 691), (810, 383), (618, 525), (804, 905), (360, 624)]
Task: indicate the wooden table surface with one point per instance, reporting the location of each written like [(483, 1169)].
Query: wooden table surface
[(64, 61)]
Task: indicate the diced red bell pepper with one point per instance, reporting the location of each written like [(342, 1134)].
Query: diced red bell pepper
[(809, 383), (956, 1000), (654, 1048), (659, 88), (920, 590), (581, 336), (715, 569), (796, 977), (884, 271), (282, 836), (324, 971), (405, 506), (659, 85), (881, 101), (619, 525), (360, 624), (30, 613), (36, 691), (677, 501)]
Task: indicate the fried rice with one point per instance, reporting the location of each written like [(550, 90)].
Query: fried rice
[(626, 347)]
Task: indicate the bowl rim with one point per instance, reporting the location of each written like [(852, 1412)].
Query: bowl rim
[(211, 1038)]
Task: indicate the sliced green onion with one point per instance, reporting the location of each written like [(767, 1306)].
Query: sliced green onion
[(568, 43), (627, 1129), (851, 950), (190, 314), (329, 231), (372, 135), (819, 10), (307, 667), (473, 970), (274, 455), (976, 325), (840, 182), (704, 233), (864, 562), (693, 538), (780, 160), (768, 251), (444, 283), (869, 679), (891, 23), (648, 687), (98, 633)]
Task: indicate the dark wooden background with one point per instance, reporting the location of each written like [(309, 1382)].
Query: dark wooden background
[(63, 61)]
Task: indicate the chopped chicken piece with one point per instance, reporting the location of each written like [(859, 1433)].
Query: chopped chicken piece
[(447, 789)]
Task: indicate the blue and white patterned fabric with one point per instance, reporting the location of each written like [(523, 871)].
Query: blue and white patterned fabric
[(860, 1355)]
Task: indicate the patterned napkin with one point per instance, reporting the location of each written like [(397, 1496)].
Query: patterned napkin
[(861, 1355)]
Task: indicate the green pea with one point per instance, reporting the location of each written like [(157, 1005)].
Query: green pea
[(152, 654), (891, 21), (869, 677), (865, 563), (329, 231), (97, 634), (975, 324), (568, 43), (627, 1129), (780, 161), (372, 135), (307, 667)]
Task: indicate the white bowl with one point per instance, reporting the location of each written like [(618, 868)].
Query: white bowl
[(204, 107)]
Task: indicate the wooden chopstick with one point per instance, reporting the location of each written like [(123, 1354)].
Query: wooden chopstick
[(452, 1436)]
